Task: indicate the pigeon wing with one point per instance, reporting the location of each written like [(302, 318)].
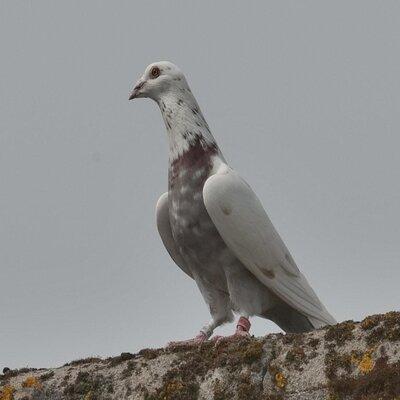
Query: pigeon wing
[(164, 229), (246, 229)]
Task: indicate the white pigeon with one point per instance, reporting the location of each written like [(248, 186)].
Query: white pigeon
[(215, 228)]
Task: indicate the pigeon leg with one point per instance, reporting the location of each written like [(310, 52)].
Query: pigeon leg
[(242, 331), (220, 310), (197, 340), (204, 333)]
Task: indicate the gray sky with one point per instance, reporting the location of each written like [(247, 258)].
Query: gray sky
[(303, 98)]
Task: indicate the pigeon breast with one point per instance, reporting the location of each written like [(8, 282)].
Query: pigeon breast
[(192, 228)]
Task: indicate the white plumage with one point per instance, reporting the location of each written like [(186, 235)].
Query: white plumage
[(215, 228), (246, 229)]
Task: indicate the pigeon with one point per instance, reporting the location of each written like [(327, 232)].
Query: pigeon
[(215, 228)]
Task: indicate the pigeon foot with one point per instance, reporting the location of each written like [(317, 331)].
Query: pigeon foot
[(242, 332), (196, 341), (238, 335)]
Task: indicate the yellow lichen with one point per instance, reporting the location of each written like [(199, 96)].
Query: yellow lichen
[(280, 380), (88, 396), (7, 393), (32, 382), (370, 322), (355, 358), (172, 389), (366, 364), (174, 386)]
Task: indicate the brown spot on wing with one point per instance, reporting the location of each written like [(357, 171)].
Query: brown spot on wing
[(269, 274), (227, 210)]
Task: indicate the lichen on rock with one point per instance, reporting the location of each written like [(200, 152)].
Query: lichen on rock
[(352, 361)]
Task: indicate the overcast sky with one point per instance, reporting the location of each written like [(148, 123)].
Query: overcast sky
[(304, 100)]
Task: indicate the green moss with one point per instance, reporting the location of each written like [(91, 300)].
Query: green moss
[(221, 392), (247, 389), (14, 372), (293, 338), (295, 357), (389, 319), (96, 384), (227, 354), (393, 335), (248, 354), (113, 361), (150, 354), (375, 336), (335, 362), (181, 382), (380, 380), (130, 367), (340, 333), (82, 361), (46, 376), (175, 390), (382, 383), (128, 390), (244, 388), (382, 327), (313, 342), (370, 322)]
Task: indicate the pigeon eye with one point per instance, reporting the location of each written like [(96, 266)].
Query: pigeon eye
[(155, 72)]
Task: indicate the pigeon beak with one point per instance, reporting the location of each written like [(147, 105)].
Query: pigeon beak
[(136, 90)]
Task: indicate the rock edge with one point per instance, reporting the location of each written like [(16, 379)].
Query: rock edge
[(351, 360)]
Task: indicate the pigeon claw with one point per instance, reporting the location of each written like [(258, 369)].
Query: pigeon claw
[(242, 332), (238, 335), (196, 341)]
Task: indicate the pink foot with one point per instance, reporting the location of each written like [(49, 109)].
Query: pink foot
[(242, 331), (199, 339)]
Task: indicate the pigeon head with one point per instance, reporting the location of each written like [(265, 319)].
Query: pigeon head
[(159, 79), (164, 83)]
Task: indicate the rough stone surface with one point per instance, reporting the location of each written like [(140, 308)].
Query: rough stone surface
[(350, 360)]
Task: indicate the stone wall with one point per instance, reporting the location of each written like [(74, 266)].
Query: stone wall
[(347, 361)]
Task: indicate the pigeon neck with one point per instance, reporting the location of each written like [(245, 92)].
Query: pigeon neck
[(186, 126)]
